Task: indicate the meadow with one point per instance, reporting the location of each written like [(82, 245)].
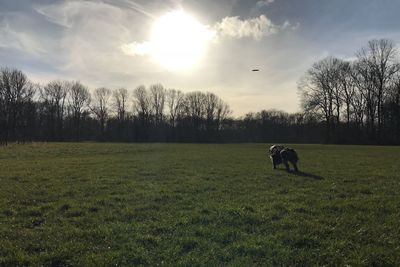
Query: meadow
[(101, 204)]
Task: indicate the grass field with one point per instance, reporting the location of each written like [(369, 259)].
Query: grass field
[(92, 204)]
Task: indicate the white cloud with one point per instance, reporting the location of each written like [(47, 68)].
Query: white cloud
[(289, 26), (231, 27), (263, 3), (237, 28)]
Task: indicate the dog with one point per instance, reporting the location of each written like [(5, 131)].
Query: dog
[(280, 154)]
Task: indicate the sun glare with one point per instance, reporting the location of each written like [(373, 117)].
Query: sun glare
[(178, 40)]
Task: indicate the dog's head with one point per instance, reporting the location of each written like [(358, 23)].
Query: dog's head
[(275, 149)]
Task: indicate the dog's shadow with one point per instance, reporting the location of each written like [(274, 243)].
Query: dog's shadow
[(303, 174)]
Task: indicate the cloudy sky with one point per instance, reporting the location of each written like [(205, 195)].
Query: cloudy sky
[(190, 45)]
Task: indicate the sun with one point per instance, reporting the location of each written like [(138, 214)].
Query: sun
[(178, 41)]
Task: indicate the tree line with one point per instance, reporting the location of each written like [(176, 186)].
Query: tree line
[(67, 110), (355, 102)]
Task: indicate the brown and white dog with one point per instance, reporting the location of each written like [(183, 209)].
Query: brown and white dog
[(280, 154)]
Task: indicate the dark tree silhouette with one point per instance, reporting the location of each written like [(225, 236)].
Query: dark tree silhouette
[(100, 108), (354, 102), (79, 98)]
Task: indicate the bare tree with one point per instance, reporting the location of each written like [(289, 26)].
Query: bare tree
[(175, 101), (141, 103), (223, 111), (363, 77), (358, 106), (337, 89), (317, 90), (157, 102), (3, 108), (54, 95), (16, 91), (378, 58), (210, 106), (216, 111), (195, 108), (348, 88), (120, 97), (100, 107), (79, 98), (394, 101)]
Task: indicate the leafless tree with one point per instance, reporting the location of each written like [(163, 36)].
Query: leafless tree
[(141, 103), (211, 102), (363, 77), (175, 101), (358, 106), (53, 96), (79, 99), (318, 90), (100, 107), (216, 111), (336, 87), (348, 88), (223, 111), (120, 97), (195, 108), (15, 92), (157, 102), (378, 63), (394, 101)]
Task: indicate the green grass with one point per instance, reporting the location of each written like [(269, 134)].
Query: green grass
[(92, 204)]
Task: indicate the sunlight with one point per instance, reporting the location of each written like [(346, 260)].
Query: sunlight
[(179, 41)]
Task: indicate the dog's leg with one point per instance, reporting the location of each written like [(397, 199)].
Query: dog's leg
[(273, 161), (285, 158), (286, 164), (295, 167)]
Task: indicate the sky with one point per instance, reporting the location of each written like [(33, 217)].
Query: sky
[(123, 43)]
